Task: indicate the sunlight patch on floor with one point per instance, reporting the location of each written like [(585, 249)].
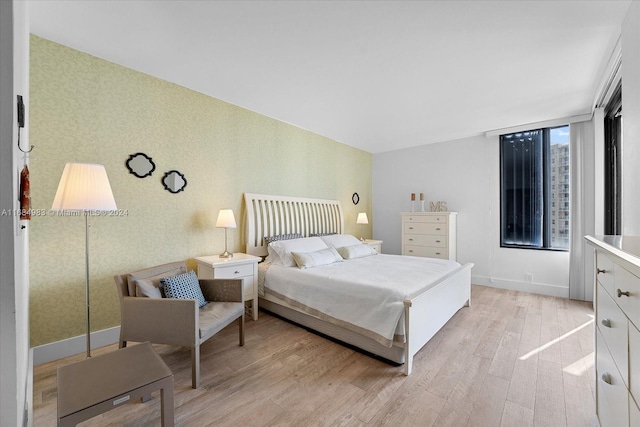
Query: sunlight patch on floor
[(556, 340)]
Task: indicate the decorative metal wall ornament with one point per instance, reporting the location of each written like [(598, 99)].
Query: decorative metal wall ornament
[(140, 165), (355, 198)]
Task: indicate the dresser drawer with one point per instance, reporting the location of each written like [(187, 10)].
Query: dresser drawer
[(233, 271), (605, 272), (442, 219), (634, 362), (613, 401), (627, 282), (426, 251), (425, 240), (614, 326), (425, 228)]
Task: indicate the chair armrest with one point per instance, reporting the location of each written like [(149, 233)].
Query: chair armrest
[(160, 320), (228, 290)]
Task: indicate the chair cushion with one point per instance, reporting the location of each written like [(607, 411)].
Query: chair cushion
[(216, 315), (154, 274), (183, 286)]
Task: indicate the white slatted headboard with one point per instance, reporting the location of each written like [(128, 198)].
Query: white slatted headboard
[(272, 215)]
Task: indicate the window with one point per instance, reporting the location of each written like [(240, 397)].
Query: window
[(529, 162)]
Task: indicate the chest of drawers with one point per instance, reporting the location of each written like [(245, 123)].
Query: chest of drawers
[(617, 305), (429, 234)]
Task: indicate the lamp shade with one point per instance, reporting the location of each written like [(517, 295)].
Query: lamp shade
[(226, 219), (362, 218), (84, 186)]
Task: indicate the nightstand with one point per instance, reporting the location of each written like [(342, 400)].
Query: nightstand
[(375, 244), (240, 266)]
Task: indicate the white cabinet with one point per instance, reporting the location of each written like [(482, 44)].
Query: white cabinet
[(617, 306), (375, 244), (429, 234), (240, 266)]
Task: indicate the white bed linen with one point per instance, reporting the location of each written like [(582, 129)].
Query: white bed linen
[(365, 294)]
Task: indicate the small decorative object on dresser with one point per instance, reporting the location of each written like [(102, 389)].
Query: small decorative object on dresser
[(241, 266), (429, 234), (375, 244), (617, 304)]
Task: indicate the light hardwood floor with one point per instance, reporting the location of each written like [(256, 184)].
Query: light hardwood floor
[(511, 359)]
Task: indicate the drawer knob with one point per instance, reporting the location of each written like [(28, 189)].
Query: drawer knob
[(236, 272), (606, 377), (411, 240), (410, 250), (437, 241), (606, 322), (410, 228), (620, 293), (601, 270), (437, 253), (438, 229)]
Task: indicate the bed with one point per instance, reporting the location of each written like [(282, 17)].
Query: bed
[(423, 310)]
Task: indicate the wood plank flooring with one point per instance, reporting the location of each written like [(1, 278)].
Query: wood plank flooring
[(511, 359)]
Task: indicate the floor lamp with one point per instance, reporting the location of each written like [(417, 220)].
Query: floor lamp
[(84, 187)]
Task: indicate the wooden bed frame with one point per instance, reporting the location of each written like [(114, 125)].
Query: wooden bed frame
[(424, 313)]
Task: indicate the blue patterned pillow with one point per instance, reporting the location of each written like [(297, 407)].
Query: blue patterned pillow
[(183, 286)]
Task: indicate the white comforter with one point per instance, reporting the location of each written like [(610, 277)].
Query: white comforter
[(365, 294)]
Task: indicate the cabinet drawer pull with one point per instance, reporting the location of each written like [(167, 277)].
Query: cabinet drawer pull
[(236, 272), (601, 270), (410, 228), (410, 250), (437, 253), (437, 241), (620, 293), (606, 377), (606, 322), (438, 229), (411, 240)]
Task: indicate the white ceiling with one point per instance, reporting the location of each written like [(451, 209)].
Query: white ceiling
[(377, 75)]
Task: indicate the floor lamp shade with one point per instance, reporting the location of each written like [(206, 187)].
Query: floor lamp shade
[(84, 187)]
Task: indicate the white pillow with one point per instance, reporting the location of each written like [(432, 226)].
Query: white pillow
[(283, 248), (340, 240), (316, 258), (356, 251)]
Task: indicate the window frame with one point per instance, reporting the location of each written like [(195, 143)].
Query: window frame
[(547, 181)]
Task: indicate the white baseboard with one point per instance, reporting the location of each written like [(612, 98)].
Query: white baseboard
[(536, 288), (70, 346)]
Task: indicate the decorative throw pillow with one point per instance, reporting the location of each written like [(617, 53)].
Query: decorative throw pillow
[(321, 234), (316, 258), (270, 239), (340, 240), (183, 286), (154, 274), (284, 248), (359, 250)]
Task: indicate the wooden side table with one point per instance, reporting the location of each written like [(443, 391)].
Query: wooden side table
[(96, 385), (241, 266)]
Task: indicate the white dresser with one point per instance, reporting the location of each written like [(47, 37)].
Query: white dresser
[(429, 234), (617, 304)]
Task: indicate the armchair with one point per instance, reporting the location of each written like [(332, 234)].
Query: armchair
[(178, 321)]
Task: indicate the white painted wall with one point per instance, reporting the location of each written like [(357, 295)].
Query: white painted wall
[(15, 366), (465, 173), (631, 121)]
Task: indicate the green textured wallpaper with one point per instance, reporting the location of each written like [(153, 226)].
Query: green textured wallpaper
[(84, 109)]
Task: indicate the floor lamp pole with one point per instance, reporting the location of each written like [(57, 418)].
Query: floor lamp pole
[(86, 281)]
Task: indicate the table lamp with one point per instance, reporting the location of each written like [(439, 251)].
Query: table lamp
[(226, 220)]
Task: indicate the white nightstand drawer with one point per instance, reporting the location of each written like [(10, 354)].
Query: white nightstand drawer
[(614, 326), (426, 228), (613, 400), (634, 362), (426, 251), (233, 271), (605, 272), (627, 283), (425, 240)]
